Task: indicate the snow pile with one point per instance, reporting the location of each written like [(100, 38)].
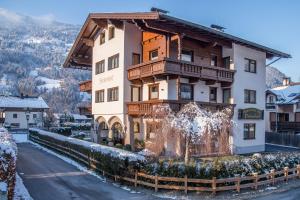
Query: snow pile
[(21, 192), (114, 152)]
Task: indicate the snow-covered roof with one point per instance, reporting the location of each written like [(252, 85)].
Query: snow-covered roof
[(289, 94), (26, 102), (78, 117)]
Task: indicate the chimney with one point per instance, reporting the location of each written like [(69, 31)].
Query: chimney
[(286, 81)]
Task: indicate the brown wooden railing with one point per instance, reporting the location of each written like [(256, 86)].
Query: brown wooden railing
[(185, 184), (187, 69), (147, 107), (85, 86), (286, 126)]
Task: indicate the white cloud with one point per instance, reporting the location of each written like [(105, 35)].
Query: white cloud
[(48, 19), (10, 16)]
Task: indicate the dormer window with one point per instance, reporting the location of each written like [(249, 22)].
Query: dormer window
[(102, 37)]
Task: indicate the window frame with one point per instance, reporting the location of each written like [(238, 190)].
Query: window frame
[(111, 32), (139, 58), (247, 133), (15, 115), (100, 69), (98, 96), (102, 37), (248, 65), (113, 94), (187, 53), (216, 95), (192, 91), (110, 65), (211, 59), (150, 92), (150, 54), (230, 94), (248, 100), (139, 89)]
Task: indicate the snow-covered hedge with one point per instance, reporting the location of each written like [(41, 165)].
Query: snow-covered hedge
[(8, 157), (225, 167), (112, 160)]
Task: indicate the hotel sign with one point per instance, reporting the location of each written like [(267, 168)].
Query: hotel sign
[(251, 113)]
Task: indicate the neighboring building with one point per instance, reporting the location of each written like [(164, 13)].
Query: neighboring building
[(21, 112), (283, 102), (139, 60), (85, 107)]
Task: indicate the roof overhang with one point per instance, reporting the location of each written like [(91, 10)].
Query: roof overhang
[(80, 55)]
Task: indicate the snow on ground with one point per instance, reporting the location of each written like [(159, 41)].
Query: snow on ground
[(49, 83), (117, 153), (19, 137), (21, 192)]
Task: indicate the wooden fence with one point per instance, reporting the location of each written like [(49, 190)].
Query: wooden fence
[(185, 184), (285, 139)]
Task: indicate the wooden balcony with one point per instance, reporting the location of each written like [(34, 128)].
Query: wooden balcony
[(86, 86), (167, 66), (142, 108), (286, 126)]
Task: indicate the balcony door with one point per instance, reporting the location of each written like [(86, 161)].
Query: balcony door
[(226, 95), (135, 93)]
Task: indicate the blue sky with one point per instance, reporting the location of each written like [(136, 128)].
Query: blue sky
[(274, 23)]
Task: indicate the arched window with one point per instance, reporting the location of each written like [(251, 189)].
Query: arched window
[(103, 126), (117, 133)]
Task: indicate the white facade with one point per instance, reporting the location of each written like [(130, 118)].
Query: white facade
[(17, 119), (128, 40)]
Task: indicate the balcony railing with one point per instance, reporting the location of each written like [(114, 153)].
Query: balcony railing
[(148, 107), (270, 106), (285, 126), (85, 86), (167, 66)]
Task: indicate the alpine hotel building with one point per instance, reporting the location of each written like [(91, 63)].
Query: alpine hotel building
[(139, 60)]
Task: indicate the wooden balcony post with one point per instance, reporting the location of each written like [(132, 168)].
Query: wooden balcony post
[(179, 46), (168, 38)]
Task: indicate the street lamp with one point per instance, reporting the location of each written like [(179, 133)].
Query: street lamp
[(2, 116)]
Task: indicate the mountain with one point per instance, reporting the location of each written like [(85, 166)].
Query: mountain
[(32, 50), (274, 77)]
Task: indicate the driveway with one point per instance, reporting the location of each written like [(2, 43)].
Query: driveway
[(278, 148), (49, 178)]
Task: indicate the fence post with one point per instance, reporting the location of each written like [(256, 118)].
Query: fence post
[(286, 173), (238, 184), (185, 184), (135, 178), (156, 183), (298, 171), (214, 185), (255, 180), (273, 176)]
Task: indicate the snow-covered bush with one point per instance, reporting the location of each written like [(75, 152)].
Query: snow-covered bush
[(112, 160), (8, 157), (225, 167)]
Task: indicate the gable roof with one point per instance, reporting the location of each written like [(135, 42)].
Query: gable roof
[(287, 94), (26, 102), (80, 54)]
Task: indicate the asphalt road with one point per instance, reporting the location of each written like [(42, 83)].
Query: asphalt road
[(292, 194), (49, 178)]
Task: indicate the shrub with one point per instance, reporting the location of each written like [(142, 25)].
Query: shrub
[(127, 147), (119, 146)]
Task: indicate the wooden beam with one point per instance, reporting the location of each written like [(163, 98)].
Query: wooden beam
[(100, 22), (117, 23), (210, 82), (88, 42), (82, 61)]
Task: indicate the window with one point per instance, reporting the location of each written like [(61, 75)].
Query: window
[(213, 94), (187, 55), (100, 67), (250, 65), (113, 62), (34, 116), (15, 115), (226, 62), (113, 94), (153, 54), (186, 91), (249, 131), (214, 60), (103, 126), (135, 93), (250, 96), (102, 37), (111, 32), (136, 59), (136, 127), (226, 95), (153, 91), (99, 96), (271, 99)]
